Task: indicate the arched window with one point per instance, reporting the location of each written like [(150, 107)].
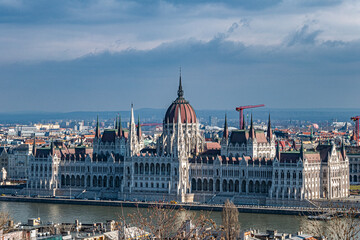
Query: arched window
[(162, 169), (136, 169), (105, 181), (88, 181), (141, 168), (224, 186), (157, 169), (72, 180), (146, 168), (111, 181), (82, 181), (237, 186), (263, 187), (251, 186), (94, 181), (243, 186), (117, 181), (168, 169), (77, 180), (217, 185), (63, 180), (100, 182), (193, 184), (211, 185), (231, 186), (67, 180), (257, 187), (205, 185), (199, 185), (152, 169)]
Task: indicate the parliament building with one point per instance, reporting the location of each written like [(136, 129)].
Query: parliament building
[(249, 168)]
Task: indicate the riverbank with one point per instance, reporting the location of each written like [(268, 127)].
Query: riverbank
[(188, 206)]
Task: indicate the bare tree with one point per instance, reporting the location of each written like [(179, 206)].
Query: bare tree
[(343, 225), (164, 222), (230, 221), (5, 222)]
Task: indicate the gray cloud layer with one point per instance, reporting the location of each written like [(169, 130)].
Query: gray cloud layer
[(102, 55)]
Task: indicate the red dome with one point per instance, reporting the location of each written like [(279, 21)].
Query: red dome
[(186, 110)]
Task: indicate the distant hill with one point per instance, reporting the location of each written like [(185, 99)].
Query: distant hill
[(156, 115)]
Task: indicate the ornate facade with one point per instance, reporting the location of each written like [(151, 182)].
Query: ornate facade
[(249, 165)]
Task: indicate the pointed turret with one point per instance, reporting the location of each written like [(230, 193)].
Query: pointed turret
[(294, 145), (226, 130), (116, 123), (120, 128), (97, 130), (269, 131), (251, 131), (52, 147), (180, 90), (133, 139), (34, 146)]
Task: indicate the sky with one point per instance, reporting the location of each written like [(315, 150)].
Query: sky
[(103, 55)]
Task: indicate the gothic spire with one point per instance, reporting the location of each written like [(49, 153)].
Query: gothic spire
[(97, 130), (251, 131), (180, 90), (119, 127), (132, 114), (226, 130), (269, 131), (116, 123)]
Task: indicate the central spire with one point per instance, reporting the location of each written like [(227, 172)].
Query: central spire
[(180, 90)]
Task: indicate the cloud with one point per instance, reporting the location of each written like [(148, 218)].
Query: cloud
[(217, 74), (101, 55), (52, 30), (303, 36)]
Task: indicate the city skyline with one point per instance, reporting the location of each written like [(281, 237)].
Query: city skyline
[(77, 56)]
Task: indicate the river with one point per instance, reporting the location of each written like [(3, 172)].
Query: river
[(21, 211)]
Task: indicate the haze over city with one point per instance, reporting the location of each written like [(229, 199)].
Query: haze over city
[(167, 119), (103, 55)]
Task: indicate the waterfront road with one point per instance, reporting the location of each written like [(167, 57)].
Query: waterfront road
[(187, 206)]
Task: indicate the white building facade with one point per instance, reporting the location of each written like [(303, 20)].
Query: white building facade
[(249, 164)]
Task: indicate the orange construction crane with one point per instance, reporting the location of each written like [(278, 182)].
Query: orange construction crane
[(241, 108), (356, 131)]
